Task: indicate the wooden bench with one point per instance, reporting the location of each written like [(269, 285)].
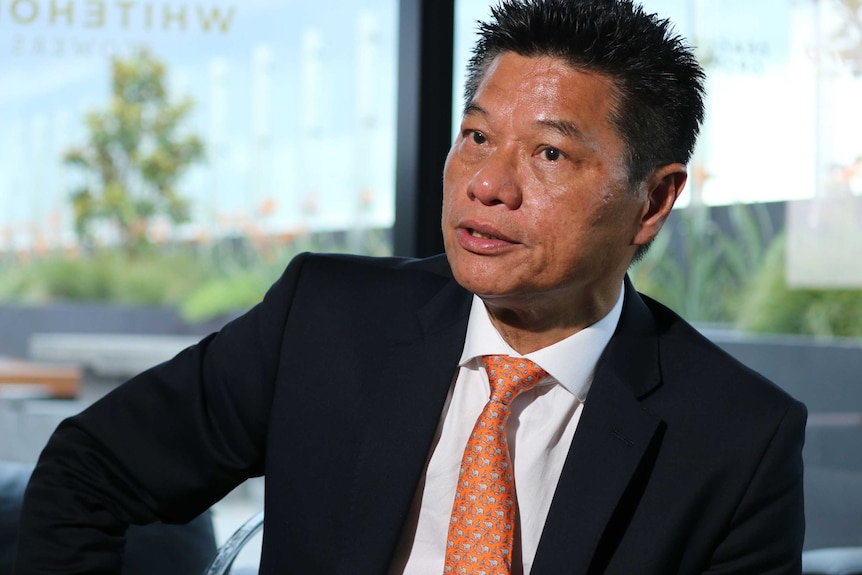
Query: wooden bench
[(61, 382)]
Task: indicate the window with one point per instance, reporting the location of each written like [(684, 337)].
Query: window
[(767, 237), (293, 108)]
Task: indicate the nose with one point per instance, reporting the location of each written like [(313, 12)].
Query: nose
[(496, 181)]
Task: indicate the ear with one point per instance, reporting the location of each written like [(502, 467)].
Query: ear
[(663, 187)]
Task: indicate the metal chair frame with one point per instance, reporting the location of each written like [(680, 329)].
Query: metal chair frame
[(228, 552)]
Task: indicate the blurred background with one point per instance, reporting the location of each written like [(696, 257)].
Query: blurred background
[(160, 162)]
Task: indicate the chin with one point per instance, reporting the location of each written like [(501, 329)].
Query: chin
[(481, 286)]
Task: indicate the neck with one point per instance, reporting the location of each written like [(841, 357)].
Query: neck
[(529, 328)]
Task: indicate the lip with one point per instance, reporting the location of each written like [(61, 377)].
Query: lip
[(497, 242)]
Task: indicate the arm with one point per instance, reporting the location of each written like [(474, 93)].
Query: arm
[(766, 532), (163, 446)]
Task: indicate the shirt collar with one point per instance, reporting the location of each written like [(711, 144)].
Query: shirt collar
[(585, 346)]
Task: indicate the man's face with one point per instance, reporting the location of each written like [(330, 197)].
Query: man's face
[(537, 207)]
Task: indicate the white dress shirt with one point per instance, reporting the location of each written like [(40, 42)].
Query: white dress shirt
[(540, 430)]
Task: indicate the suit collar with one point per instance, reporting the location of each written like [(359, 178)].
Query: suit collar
[(449, 307), (632, 355), (402, 415), (613, 443), (611, 453)]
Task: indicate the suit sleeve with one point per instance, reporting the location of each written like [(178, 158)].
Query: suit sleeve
[(766, 533), (165, 445)]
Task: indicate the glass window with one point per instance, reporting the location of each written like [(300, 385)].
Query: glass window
[(767, 237), (778, 160), (214, 137), (160, 162)]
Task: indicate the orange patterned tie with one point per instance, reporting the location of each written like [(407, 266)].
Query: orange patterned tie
[(482, 527)]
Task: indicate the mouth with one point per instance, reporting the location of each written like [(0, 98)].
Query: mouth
[(483, 239), (485, 231), (477, 234)]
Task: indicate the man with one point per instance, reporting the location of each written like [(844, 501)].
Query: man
[(355, 385)]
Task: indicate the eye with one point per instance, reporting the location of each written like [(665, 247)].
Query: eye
[(552, 154), (478, 137)]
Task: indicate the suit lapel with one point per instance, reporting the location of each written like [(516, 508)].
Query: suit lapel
[(403, 415), (612, 448)]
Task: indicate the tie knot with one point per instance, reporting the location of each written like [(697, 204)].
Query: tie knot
[(511, 376)]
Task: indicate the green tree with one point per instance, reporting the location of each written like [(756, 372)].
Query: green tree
[(135, 155)]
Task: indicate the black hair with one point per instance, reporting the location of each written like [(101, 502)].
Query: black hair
[(658, 81)]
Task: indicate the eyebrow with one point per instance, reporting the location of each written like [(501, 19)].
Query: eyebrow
[(473, 108), (568, 129)]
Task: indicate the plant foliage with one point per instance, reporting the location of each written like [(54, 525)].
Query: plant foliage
[(699, 268), (771, 306), (152, 278), (135, 155)]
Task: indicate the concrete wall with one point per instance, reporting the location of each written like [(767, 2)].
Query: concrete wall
[(827, 377), (19, 322)]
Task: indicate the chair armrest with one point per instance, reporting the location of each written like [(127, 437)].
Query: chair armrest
[(228, 552)]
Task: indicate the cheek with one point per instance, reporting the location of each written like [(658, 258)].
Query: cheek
[(450, 184), (456, 180), (563, 214), (449, 195)]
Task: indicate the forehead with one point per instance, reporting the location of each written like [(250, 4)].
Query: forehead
[(537, 88)]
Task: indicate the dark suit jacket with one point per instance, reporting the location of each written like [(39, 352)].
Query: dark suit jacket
[(684, 461), (153, 549)]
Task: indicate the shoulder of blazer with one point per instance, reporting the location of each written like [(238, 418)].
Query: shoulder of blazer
[(434, 265), (687, 353), (369, 279), (362, 290), (654, 349)]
